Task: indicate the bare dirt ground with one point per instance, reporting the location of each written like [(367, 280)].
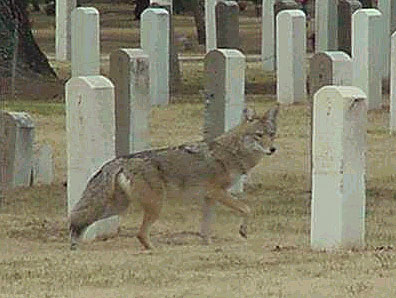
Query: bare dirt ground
[(275, 261)]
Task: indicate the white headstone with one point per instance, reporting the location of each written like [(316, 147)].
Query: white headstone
[(393, 84), (43, 166), (224, 81), (85, 59), (154, 38), (291, 55), (338, 173), (210, 24), (267, 35), (367, 51), (129, 71), (63, 29), (326, 25), (90, 134), (16, 149)]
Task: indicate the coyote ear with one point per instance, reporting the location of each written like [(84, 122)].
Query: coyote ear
[(272, 113), (270, 119), (248, 114)]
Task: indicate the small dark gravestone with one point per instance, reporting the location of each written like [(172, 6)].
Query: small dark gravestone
[(227, 25), (280, 5), (345, 10)]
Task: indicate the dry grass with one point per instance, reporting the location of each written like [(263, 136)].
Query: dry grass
[(275, 261)]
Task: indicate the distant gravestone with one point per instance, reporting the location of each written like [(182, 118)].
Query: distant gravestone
[(392, 95), (43, 165), (174, 69), (154, 39), (85, 55), (330, 68), (291, 55), (63, 29), (210, 24), (16, 149), (345, 10), (279, 6), (227, 25), (224, 81), (388, 10), (338, 173), (326, 25), (268, 49), (367, 51), (129, 71), (90, 134)]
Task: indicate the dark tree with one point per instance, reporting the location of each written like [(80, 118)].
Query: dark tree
[(141, 5), (20, 56), (198, 9)]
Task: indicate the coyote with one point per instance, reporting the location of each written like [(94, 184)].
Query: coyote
[(203, 170)]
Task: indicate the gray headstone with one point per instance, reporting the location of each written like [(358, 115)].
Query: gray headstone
[(338, 174), (345, 10), (129, 71), (210, 24), (85, 56), (227, 25), (43, 166), (291, 53), (326, 22), (330, 68), (268, 35), (16, 149)]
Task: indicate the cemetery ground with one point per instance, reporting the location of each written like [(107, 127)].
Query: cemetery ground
[(275, 261)]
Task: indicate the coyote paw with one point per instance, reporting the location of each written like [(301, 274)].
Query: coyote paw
[(243, 231)]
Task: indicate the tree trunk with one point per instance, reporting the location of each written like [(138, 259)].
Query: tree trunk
[(21, 60), (141, 5), (199, 17)]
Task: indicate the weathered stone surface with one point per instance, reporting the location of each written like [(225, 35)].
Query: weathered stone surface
[(227, 25), (224, 81), (43, 165), (16, 149), (338, 174), (326, 25), (291, 53), (85, 40), (129, 71), (90, 134), (330, 68)]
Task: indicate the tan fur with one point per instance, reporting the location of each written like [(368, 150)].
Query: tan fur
[(203, 170)]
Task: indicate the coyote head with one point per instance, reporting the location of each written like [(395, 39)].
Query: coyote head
[(259, 132)]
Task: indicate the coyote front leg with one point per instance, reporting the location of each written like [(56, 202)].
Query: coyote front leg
[(224, 197), (207, 217)]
